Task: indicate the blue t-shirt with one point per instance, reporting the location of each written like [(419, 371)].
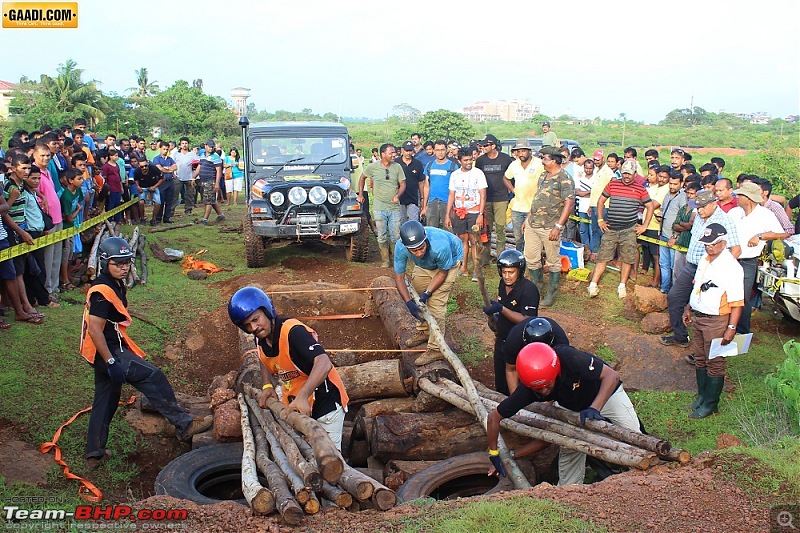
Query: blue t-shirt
[(208, 167), (165, 162), (444, 251), (439, 177), (424, 158), (236, 172)]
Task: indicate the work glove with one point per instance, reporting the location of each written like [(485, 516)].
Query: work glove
[(591, 414), (423, 297), (498, 464), (116, 374), (494, 307), (414, 309)]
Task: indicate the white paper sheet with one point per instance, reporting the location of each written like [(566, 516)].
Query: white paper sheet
[(739, 345)]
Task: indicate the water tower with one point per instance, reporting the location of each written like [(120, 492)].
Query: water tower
[(240, 96)]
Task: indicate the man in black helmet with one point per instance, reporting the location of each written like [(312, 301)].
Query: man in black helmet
[(517, 300), (436, 255), (116, 359), (536, 329)]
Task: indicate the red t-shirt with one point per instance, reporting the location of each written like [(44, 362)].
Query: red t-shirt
[(730, 205), (113, 179)]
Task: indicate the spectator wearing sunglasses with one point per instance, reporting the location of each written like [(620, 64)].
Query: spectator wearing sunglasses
[(388, 185)]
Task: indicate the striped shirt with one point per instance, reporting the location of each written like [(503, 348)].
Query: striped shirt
[(623, 204), (697, 249)]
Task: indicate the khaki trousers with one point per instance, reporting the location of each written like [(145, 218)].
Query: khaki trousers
[(437, 303), (536, 240)]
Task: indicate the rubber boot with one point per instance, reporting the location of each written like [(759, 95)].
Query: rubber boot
[(384, 246), (428, 357), (710, 406), (702, 379), (537, 277), (552, 289)]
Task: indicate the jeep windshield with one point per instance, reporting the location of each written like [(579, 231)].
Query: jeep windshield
[(296, 152)]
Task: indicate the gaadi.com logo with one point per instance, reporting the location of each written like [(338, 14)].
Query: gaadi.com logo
[(40, 14)]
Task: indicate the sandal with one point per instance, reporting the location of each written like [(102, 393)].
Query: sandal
[(32, 320), (66, 286), (4, 324), (36, 313)]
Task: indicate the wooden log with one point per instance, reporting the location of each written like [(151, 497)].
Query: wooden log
[(400, 325), (514, 473), (380, 495), (312, 506), (143, 259), (133, 243), (376, 379), (338, 496), (159, 253), (258, 498), (579, 433), (611, 456), (329, 460), (110, 227), (428, 403), (287, 506), (159, 229), (427, 436), (647, 442), (297, 484), (679, 455), (387, 406), (91, 269), (249, 372), (356, 483), (307, 471), (398, 472), (341, 358), (362, 429)]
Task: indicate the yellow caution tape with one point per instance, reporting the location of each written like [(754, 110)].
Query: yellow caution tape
[(579, 274), (640, 237), (61, 235)]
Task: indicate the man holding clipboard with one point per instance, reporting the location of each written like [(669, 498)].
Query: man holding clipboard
[(715, 306)]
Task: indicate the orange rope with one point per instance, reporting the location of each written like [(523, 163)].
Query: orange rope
[(87, 491), (373, 351), (332, 317)]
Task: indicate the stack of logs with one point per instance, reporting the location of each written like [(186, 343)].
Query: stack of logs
[(303, 469), (136, 243)]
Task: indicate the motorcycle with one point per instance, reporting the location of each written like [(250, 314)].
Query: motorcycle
[(778, 275)]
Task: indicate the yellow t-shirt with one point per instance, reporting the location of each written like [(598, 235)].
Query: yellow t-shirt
[(526, 182), (657, 194), (602, 178)]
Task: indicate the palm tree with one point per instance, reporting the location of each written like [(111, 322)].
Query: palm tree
[(71, 94), (144, 87)]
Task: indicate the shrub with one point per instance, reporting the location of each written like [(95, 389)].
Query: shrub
[(786, 381)]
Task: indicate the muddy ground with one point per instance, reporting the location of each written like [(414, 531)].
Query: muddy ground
[(692, 498)]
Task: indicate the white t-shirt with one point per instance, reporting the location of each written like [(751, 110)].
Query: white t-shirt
[(467, 186), (184, 162), (760, 220), (582, 183), (724, 280)]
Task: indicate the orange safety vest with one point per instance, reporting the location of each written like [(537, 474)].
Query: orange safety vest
[(88, 349), (290, 376)]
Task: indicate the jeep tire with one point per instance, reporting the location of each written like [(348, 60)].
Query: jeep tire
[(358, 248), (253, 244)]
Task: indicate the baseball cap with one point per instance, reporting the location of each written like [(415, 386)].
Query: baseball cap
[(211, 143), (598, 154), (713, 233), (545, 124), (490, 139), (628, 168), (455, 144), (704, 198), (550, 150), (408, 145)]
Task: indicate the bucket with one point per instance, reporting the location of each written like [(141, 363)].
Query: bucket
[(574, 253)]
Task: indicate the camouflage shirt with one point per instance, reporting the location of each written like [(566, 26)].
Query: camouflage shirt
[(549, 200)]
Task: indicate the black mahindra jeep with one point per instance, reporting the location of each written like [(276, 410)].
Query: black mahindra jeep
[(298, 183)]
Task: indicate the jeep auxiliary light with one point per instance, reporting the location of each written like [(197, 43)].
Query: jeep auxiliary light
[(334, 197), (317, 195), (276, 198), (297, 195)]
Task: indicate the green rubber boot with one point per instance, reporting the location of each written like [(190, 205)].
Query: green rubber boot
[(552, 289), (702, 379), (537, 277), (710, 406)]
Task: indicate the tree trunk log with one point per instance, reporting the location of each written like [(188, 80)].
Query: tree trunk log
[(329, 460), (380, 495), (337, 495), (91, 269), (516, 475), (258, 498), (387, 406), (425, 435), (159, 253), (143, 259), (250, 367), (605, 454), (312, 505), (173, 226), (287, 506), (376, 379), (307, 471), (356, 484), (428, 403), (297, 484)]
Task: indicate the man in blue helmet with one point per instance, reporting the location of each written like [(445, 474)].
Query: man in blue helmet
[(517, 301), (436, 255), (292, 358)]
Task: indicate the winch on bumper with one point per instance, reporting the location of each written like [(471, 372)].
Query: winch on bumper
[(305, 224)]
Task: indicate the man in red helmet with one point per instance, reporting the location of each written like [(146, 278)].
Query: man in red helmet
[(578, 381)]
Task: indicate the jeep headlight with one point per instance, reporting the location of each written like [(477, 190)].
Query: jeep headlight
[(276, 198), (317, 195), (297, 195), (334, 196)]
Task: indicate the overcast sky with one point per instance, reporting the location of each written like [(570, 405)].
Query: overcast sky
[(359, 58)]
